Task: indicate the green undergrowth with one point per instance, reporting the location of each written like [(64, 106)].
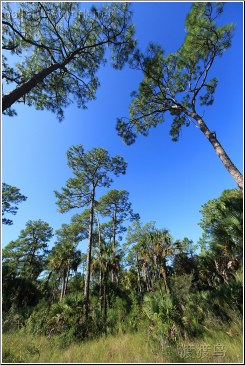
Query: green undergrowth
[(217, 345)]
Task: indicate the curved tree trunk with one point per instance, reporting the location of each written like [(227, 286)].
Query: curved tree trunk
[(225, 159)]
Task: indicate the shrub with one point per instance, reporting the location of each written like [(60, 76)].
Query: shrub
[(163, 317)]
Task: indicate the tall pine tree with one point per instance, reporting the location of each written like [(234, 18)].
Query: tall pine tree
[(91, 170)]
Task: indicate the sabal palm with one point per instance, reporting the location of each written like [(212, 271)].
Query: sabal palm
[(162, 246), (64, 258), (152, 249)]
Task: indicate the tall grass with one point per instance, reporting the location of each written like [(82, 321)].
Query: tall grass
[(126, 348)]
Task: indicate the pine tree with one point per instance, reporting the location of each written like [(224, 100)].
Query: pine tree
[(115, 204), (180, 83), (11, 196), (92, 170), (61, 47), (28, 254)]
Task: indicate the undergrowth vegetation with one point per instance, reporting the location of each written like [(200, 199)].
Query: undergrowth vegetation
[(219, 344), (157, 301)]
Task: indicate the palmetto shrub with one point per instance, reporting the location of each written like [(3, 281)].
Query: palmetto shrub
[(162, 315), (64, 319), (191, 314), (225, 302), (176, 314)]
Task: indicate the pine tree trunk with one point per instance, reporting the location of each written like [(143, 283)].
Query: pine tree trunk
[(21, 90), (105, 295), (101, 291), (211, 136), (88, 266), (113, 244), (16, 94), (101, 273)]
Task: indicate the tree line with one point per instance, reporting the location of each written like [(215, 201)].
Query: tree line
[(149, 277), (151, 280)]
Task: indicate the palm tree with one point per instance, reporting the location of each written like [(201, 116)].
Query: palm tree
[(64, 257), (222, 223), (162, 247), (101, 264), (152, 249)]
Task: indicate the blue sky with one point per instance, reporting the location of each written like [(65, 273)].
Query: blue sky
[(168, 182)]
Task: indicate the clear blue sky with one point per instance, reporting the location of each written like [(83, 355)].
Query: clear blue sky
[(168, 182)]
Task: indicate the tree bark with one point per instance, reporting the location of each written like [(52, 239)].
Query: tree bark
[(113, 244), (63, 286), (88, 265), (101, 273), (164, 275), (138, 274), (16, 94), (211, 136), (105, 294), (64, 283)]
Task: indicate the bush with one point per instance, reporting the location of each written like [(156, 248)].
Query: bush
[(14, 319), (163, 317), (63, 320), (224, 302), (9, 356)]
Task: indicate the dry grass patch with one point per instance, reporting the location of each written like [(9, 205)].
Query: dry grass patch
[(126, 348)]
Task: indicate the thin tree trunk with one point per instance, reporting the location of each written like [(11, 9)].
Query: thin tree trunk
[(113, 244), (147, 279), (67, 278), (164, 274), (114, 230), (88, 266), (62, 293), (105, 295), (101, 291), (101, 274), (138, 272), (225, 159)]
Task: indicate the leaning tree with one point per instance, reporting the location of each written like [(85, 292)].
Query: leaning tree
[(58, 49), (180, 83)]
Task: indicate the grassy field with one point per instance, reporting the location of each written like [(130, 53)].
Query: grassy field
[(217, 346)]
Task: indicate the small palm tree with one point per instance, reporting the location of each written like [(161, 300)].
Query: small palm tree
[(153, 249), (64, 257)]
